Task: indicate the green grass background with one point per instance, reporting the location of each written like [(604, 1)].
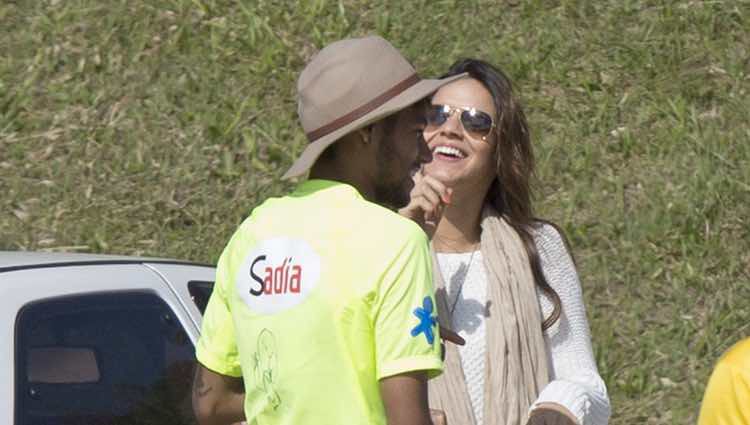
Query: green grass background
[(153, 127)]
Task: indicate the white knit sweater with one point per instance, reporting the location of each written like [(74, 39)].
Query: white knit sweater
[(574, 380)]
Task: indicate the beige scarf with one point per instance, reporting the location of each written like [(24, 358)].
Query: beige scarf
[(515, 360)]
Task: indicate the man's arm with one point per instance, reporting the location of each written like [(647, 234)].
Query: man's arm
[(217, 399), (405, 399)]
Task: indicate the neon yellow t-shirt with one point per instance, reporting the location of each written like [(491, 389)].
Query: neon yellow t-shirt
[(318, 295), (727, 397)]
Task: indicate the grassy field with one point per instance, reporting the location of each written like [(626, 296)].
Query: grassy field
[(153, 127)]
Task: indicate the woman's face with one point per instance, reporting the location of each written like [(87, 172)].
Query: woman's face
[(460, 158)]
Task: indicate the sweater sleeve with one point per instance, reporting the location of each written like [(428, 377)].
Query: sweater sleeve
[(574, 382)]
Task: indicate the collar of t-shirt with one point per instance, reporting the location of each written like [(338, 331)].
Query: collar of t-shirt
[(311, 186)]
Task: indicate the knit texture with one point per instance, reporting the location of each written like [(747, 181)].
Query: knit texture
[(468, 317), (574, 380)]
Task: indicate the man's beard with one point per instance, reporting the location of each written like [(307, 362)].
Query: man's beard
[(390, 192)]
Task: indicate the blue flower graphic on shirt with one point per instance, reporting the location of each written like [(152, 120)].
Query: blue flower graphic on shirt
[(426, 320)]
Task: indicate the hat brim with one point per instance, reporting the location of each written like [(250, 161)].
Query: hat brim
[(403, 100)]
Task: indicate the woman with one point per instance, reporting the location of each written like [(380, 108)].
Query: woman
[(505, 281)]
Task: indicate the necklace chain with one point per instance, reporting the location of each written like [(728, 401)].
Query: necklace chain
[(453, 246)]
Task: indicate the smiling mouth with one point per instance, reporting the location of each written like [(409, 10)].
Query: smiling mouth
[(449, 153)]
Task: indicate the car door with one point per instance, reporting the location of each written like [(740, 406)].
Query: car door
[(192, 284), (94, 344)]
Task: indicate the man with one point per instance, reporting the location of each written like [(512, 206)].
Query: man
[(323, 299)]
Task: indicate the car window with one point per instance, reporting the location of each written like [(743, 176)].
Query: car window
[(114, 358), (200, 292)]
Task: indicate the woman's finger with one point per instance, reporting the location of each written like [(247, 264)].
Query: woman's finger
[(435, 212), (438, 417), (437, 187)]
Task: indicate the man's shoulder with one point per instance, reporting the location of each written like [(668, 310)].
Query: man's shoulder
[(257, 219), (382, 221), (268, 209), (368, 221)]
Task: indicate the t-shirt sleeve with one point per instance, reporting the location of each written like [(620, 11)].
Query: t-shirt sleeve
[(217, 346), (405, 314)]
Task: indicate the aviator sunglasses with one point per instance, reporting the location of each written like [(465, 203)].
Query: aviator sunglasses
[(477, 123)]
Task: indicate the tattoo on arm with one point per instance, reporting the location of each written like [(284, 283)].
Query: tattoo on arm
[(200, 387)]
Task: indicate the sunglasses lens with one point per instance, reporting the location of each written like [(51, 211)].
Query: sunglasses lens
[(476, 122), (437, 115)]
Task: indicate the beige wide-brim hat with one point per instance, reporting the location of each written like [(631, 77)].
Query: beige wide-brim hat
[(350, 84)]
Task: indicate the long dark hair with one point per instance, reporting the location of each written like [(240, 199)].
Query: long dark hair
[(510, 192)]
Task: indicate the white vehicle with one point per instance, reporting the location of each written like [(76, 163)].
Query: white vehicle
[(94, 339)]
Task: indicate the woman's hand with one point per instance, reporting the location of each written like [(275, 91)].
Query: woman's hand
[(428, 200), (551, 414), (438, 417)]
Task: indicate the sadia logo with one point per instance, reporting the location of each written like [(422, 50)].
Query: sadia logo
[(277, 275), (277, 280)]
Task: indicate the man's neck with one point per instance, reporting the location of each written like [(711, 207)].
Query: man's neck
[(342, 176)]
